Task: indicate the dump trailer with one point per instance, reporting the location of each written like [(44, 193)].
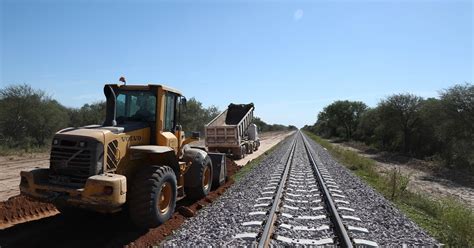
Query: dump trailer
[(139, 159), (232, 131)]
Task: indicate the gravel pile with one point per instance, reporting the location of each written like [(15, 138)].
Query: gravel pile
[(218, 223), (387, 225)]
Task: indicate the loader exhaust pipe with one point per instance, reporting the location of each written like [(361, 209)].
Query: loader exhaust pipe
[(110, 114)]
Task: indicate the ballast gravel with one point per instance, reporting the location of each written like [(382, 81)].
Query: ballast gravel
[(301, 167), (386, 224), (218, 223)]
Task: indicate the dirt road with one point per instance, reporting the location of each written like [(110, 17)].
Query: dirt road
[(10, 167), (422, 181), (267, 141)]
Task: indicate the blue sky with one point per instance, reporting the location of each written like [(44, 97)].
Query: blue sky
[(291, 58)]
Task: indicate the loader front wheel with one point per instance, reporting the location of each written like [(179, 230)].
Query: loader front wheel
[(152, 196), (198, 180)]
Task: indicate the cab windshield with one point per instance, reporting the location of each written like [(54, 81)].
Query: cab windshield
[(135, 106)]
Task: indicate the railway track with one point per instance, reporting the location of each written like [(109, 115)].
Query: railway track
[(303, 205)]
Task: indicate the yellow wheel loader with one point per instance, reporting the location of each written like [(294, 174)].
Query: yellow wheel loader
[(138, 158)]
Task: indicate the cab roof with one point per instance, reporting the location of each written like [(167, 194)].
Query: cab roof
[(144, 87)]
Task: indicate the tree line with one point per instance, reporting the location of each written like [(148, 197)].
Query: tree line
[(439, 128), (29, 117), (265, 127)]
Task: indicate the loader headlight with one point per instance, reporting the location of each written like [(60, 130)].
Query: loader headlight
[(82, 144), (55, 141)]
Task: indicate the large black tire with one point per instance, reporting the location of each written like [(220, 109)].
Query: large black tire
[(194, 185), (237, 153), (216, 182), (147, 194), (257, 145), (250, 149)]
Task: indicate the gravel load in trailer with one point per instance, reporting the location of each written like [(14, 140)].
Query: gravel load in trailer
[(285, 201)]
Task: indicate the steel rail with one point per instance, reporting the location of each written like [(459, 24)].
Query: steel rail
[(269, 224), (334, 215)]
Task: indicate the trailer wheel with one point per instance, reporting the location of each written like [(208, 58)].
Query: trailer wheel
[(152, 196), (240, 153), (257, 144), (250, 148), (198, 179)]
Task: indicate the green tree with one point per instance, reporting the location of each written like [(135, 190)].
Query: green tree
[(400, 113), (88, 114), (29, 117), (439, 128), (262, 126), (265, 127), (341, 118), (50, 118), (195, 116), (457, 128), (425, 142), (291, 127), (367, 128)]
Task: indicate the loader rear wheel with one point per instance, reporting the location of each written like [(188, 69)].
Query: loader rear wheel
[(152, 197), (198, 180)]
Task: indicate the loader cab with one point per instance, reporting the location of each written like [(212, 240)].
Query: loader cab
[(149, 112)]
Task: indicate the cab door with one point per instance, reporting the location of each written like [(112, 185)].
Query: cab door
[(170, 112), (166, 136)]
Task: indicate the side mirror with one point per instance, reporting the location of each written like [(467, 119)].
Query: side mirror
[(196, 135), (184, 101)]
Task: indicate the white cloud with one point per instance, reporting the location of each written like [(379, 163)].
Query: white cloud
[(298, 14)]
